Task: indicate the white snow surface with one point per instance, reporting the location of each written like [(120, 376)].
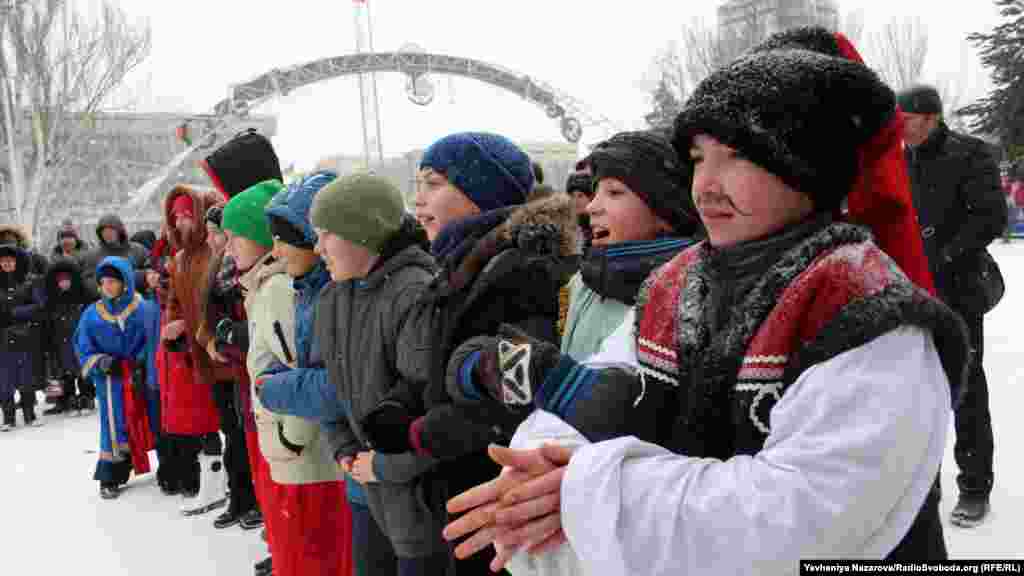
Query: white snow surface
[(52, 520)]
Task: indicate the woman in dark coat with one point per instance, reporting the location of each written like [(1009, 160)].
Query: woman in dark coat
[(20, 315)]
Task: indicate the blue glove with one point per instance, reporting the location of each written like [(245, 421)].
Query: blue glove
[(275, 368)]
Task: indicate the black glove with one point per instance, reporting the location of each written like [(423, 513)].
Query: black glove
[(179, 344), (224, 332), (511, 366), (231, 333), (105, 364), (387, 428)]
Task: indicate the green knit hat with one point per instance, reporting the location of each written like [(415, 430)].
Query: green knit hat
[(243, 215), (364, 209)]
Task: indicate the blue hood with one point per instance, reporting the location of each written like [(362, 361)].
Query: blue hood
[(125, 270), (293, 203)]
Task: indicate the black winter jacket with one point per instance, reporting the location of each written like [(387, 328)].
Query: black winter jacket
[(20, 308), (961, 208), (61, 312)]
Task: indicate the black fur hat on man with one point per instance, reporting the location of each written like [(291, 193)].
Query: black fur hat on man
[(795, 106), (646, 162)]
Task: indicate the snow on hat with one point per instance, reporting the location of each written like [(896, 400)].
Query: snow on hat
[(489, 169), (845, 141), (646, 162), (920, 99)]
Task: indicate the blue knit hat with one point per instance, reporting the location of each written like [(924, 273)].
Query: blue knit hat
[(293, 203), (488, 168)]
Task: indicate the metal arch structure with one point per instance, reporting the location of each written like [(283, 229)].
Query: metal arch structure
[(557, 104), (228, 114)]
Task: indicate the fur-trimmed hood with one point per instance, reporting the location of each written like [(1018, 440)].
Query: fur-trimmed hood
[(21, 270), (202, 200), (542, 230), (19, 234)]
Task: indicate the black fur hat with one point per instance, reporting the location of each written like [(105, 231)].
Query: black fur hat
[(796, 107)]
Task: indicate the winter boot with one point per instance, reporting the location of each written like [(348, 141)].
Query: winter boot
[(252, 520), (970, 510), (264, 567), (109, 490), (212, 486)]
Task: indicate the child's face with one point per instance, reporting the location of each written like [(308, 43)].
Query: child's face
[(738, 200), (8, 264), (111, 287), (343, 259), (438, 203), (64, 284), (215, 239), (298, 261), (245, 252), (617, 214)]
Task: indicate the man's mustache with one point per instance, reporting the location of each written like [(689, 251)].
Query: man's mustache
[(716, 199)]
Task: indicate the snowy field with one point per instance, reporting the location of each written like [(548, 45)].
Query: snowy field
[(52, 520)]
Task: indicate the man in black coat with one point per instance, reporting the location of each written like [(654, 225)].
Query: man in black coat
[(961, 209)]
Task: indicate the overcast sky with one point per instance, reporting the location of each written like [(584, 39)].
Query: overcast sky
[(599, 52)]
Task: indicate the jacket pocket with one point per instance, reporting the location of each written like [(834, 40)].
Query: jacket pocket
[(404, 515)]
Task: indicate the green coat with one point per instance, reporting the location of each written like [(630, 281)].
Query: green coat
[(590, 320)]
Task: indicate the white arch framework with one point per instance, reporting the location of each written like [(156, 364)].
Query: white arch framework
[(572, 115)]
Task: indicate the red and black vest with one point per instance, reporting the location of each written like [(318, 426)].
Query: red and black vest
[(830, 292)]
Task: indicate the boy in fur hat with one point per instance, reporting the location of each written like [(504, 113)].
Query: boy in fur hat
[(793, 365)]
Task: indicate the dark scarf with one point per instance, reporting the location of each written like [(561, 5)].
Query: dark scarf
[(734, 270), (457, 238), (728, 275), (618, 271)]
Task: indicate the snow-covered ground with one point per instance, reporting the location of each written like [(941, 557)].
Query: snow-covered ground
[(52, 520)]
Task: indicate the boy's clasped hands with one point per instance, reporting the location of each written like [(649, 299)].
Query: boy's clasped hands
[(520, 509)]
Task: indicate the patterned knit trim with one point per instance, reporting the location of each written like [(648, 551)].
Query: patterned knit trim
[(664, 377)]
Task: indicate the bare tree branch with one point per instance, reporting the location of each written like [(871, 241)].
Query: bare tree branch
[(898, 51), (65, 66)]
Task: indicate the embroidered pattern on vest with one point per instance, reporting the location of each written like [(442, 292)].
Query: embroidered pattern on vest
[(730, 384), (655, 350)]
